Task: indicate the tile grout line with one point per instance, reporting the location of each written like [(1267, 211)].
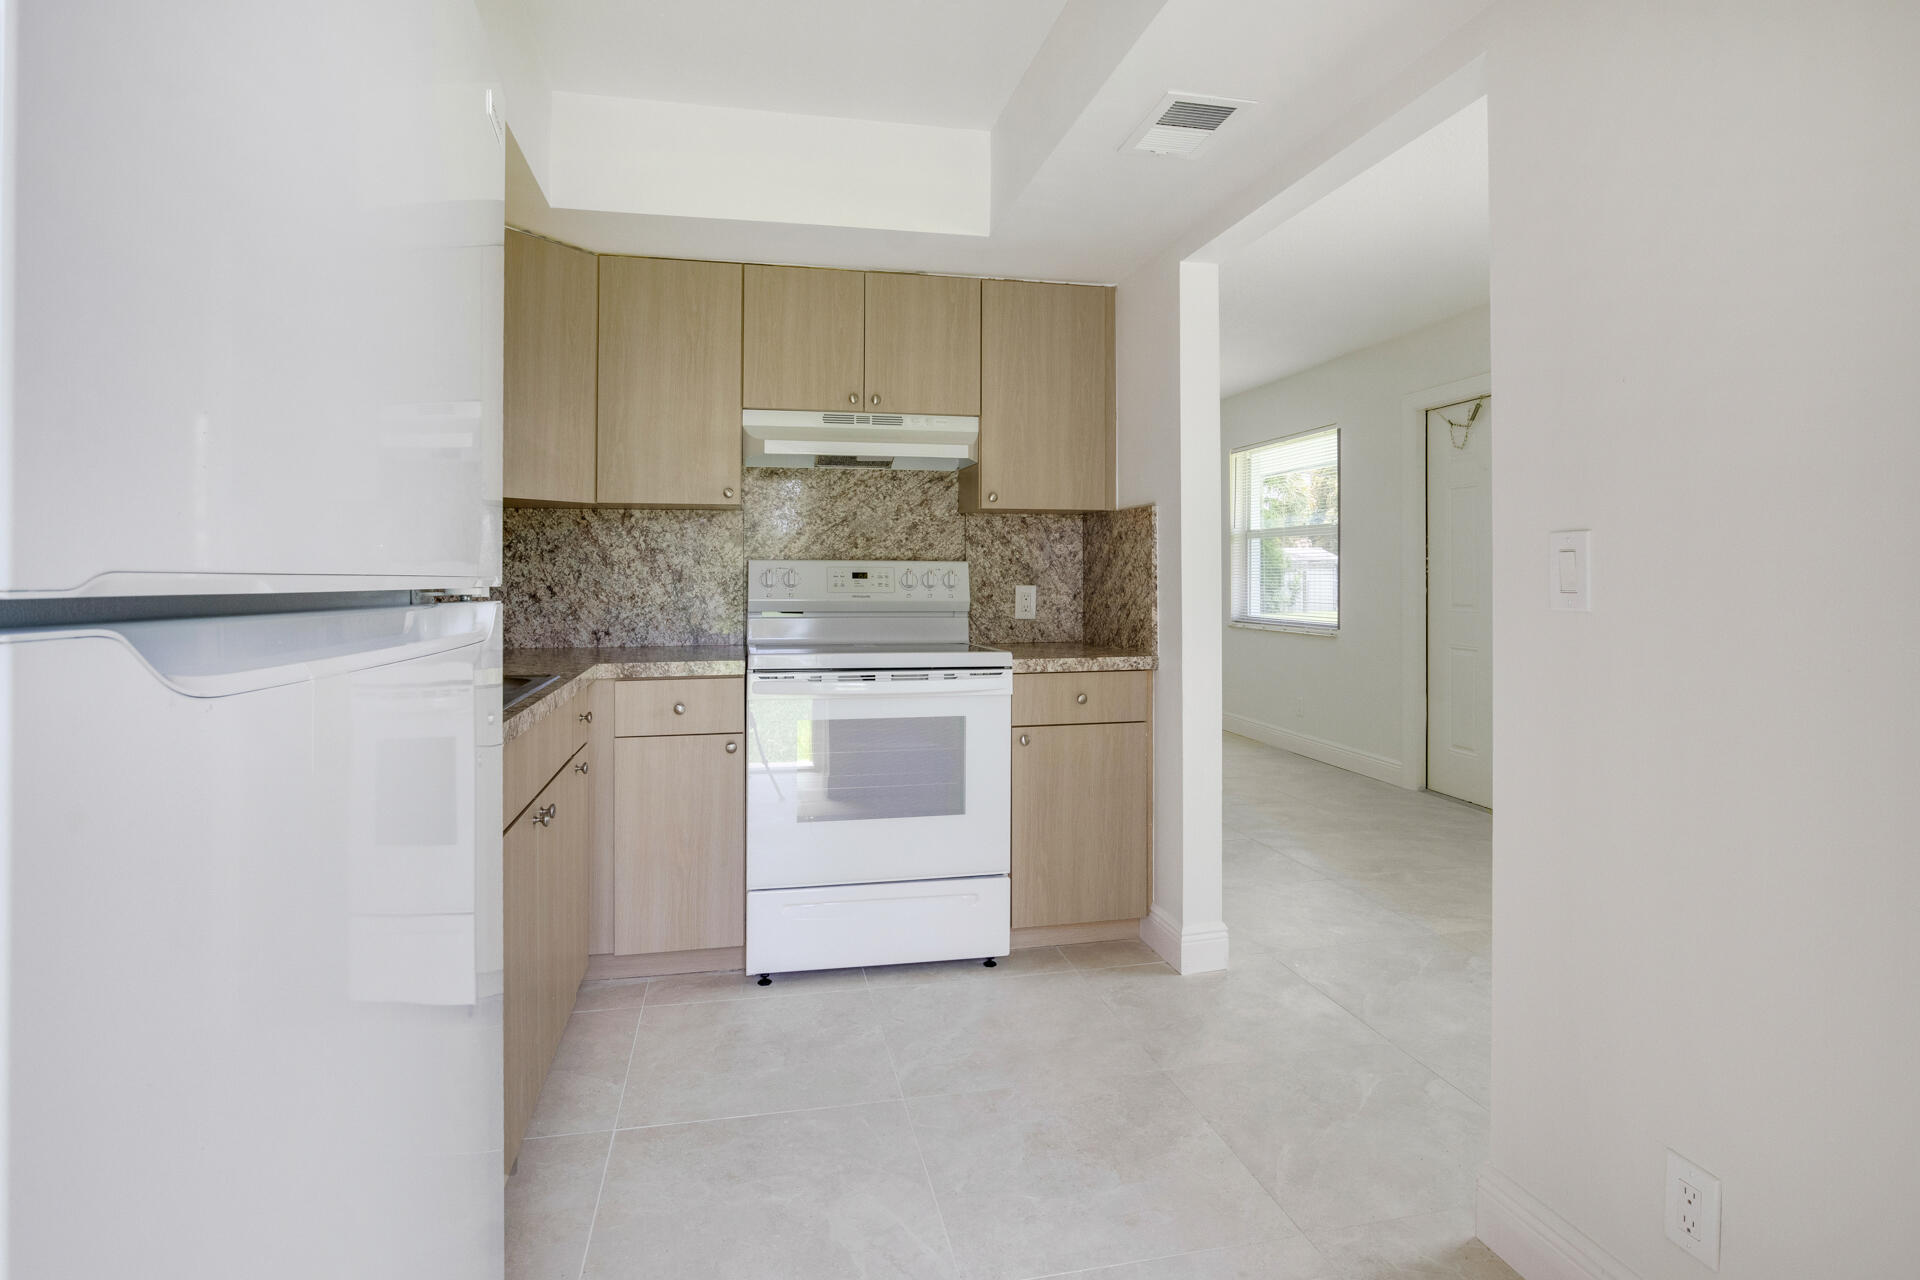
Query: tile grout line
[(586, 1247), (1258, 1181), (913, 1131)]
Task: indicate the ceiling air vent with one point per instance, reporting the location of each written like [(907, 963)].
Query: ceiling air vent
[(1182, 124)]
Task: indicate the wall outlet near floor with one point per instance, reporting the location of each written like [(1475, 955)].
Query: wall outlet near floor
[(1693, 1209), (1026, 601)]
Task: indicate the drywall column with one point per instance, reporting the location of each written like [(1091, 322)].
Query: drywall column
[(1705, 862), (1167, 339)]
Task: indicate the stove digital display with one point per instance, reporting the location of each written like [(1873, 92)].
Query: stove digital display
[(860, 581)]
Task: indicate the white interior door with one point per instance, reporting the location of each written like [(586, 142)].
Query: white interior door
[(1459, 604)]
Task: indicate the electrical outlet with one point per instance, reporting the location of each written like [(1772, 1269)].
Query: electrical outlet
[(1693, 1209), (1026, 601)]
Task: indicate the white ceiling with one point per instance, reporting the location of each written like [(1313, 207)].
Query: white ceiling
[(1074, 207), (951, 63), (1401, 246)]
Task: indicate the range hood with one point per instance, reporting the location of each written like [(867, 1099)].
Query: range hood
[(877, 441)]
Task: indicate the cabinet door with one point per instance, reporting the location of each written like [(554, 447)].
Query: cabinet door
[(680, 857), (923, 344), (600, 795), (1080, 837), (524, 1002), (669, 382), (1046, 399), (551, 317), (802, 345), (569, 839)]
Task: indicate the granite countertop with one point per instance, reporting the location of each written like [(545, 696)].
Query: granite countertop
[(576, 667), (1033, 659)]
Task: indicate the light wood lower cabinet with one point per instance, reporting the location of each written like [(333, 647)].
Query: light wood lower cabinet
[(1081, 840), (680, 843), (546, 853)]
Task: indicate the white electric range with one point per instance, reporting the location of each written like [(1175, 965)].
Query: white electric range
[(878, 768)]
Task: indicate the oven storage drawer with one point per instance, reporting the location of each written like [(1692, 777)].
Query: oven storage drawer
[(656, 708), (1086, 697), (844, 926)]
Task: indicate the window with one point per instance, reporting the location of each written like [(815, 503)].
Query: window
[(1285, 544)]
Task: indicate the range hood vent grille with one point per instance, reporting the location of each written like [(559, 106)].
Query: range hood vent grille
[(862, 419), (1182, 124)]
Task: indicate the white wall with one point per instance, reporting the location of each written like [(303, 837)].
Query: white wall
[(1353, 698), (1706, 869), (1167, 446)]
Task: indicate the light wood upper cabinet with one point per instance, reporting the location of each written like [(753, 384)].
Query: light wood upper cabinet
[(680, 857), (802, 347), (1081, 843), (548, 435), (923, 344), (1046, 399), (669, 383)]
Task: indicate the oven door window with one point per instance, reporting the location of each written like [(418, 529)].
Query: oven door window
[(851, 770)]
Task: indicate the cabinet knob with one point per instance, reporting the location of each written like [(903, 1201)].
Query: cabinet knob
[(732, 747), (726, 493), (993, 497), (1082, 699), (581, 767), (876, 397), (679, 708), (586, 717), (1024, 739), (545, 816), (853, 398)]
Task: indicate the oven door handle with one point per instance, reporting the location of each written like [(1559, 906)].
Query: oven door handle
[(998, 685)]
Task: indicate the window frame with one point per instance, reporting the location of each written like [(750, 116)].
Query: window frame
[(1239, 540)]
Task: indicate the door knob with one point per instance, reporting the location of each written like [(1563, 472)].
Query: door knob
[(1082, 699), (732, 747), (679, 708)]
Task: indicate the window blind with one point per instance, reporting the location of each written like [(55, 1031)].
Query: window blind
[(1285, 531)]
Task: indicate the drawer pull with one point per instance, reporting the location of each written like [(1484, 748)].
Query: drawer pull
[(1024, 740), (544, 816), (679, 708), (1082, 699), (581, 767), (586, 717), (732, 747)]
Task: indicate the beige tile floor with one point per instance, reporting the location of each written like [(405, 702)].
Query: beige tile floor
[(1317, 1112)]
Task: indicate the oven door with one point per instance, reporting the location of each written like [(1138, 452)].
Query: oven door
[(856, 777)]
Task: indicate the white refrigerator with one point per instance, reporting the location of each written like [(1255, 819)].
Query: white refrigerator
[(250, 291)]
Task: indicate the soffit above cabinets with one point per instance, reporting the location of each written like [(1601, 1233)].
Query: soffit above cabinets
[(890, 136)]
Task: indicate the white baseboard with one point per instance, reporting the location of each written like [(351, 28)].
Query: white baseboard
[(1305, 744), (1201, 949), (1533, 1239)]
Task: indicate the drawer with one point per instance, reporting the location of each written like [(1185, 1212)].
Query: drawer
[(531, 760), (904, 922), (652, 708), (1082, 697)]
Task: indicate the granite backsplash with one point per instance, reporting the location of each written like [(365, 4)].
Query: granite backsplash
[(599, 576)]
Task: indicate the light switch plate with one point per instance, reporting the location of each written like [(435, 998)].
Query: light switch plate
[(1026, 601), (1570, 570)]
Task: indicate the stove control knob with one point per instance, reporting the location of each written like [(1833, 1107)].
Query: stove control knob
[(950, 579), (789, 579), (766, 578), (906, 579)]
